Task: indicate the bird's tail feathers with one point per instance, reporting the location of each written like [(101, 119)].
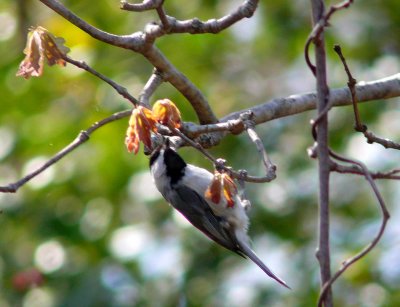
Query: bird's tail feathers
[(253, 257)]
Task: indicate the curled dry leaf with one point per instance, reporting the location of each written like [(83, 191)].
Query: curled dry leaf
[(229, 189), (141, 124), (213, 192), (41, 45), (166, 113), (222, 187)]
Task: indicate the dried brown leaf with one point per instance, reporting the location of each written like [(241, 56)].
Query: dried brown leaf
[(41, 46), (213, 192), (166, 113), (230, 189), (141, 124)]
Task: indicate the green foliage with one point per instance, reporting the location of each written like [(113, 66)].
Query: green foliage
[(117, 246)]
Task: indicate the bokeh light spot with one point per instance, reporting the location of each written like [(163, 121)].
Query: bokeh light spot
[(96, 218), (8, 26), (127, 242), (120, 283), (7, 138), (39, 297), (50, 256), (142, 188)]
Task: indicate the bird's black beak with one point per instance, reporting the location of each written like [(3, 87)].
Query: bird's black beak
[(147, 151)]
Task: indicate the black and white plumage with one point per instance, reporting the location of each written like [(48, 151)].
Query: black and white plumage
[(183, 186)]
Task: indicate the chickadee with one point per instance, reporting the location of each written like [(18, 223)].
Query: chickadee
[(184, 185)]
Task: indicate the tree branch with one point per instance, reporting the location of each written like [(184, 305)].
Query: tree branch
[(192, 130), (146, 5), (319, 28), (295, 104), (359, 126), (280, 107), (385, 217), (150, 87), (195, 26), (133, 42), (142, 42), (120, 89), (379, 89), (270, 168), (171, 25), (323, 103), (355, 170), (82, 137), (182, 84), (236, 174)]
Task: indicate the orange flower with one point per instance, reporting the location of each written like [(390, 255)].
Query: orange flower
[(222, 186), (41, 45), (141, 124), (166, 113)]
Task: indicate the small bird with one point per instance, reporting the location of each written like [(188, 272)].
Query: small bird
[(184, 185)]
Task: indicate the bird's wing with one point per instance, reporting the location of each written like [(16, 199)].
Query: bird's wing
[(196, 210)]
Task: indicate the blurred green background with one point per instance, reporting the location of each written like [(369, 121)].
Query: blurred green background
[(92, 231)]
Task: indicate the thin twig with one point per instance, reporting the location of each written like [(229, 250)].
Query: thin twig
[(82, 137), (147, 5), (352, 87), (372, 138), (318, 29), (163, 17), (355, 170), (270, 168), (120, 89), (233, 173), (321, 116), (150, 87), (359, 126), (385, 217)]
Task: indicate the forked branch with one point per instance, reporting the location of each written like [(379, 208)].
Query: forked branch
[(321, 138), (142, 42), (319, 28), (170, 25), (359, 126), (355, 167), (270, 168), (385, 217)]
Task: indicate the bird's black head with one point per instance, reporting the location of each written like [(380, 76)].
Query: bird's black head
[(174, 164)]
